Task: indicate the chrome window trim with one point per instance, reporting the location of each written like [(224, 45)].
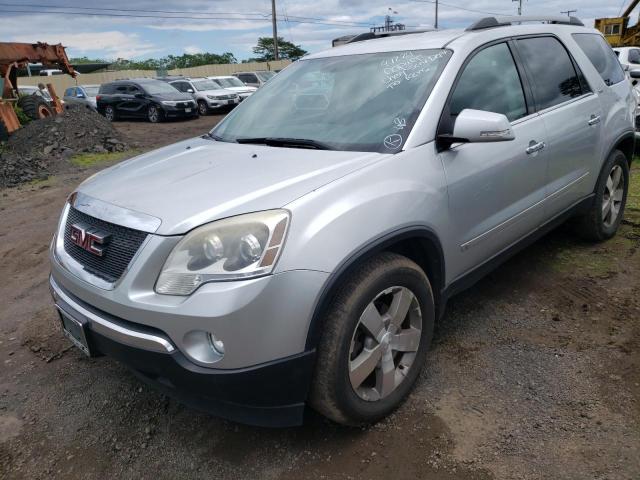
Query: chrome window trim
[(114, 214)]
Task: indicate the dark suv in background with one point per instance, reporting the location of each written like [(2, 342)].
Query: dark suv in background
[(144, 98)]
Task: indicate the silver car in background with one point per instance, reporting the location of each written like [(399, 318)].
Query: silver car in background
[(82, 95), (235, 85), (302, 251)]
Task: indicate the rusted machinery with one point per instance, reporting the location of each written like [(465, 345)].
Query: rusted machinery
[(17, 55)]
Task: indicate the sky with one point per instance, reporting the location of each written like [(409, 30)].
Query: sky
[(217, 26)]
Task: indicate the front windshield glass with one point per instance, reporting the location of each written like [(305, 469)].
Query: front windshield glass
[(264, 76), (91, 91), (363, 102), (158, 88), (204, 85), (229, 82)]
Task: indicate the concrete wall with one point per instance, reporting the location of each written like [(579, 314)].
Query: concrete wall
[(62, 82)]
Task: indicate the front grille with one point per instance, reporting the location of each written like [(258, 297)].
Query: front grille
[(122, 246)]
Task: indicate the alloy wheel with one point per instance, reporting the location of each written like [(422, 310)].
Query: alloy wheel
[(109, 114), (154, 115), (612, 197), (384, 343), (202, 107)]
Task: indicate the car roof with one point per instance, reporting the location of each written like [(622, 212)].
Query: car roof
[(439, 39)]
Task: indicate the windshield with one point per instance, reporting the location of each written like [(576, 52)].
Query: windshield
[(264, 76), (91, 91), (357, 102), (158, 88), (203, 85), (229, 82)]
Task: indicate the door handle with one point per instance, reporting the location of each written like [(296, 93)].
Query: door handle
[(535, 147), (594, 120)]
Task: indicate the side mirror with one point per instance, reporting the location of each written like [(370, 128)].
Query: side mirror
[(634, 73), (478, 126), (189, 90)]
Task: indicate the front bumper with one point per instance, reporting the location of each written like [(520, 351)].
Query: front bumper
[(220, 104), (171, 111), (270, 394)]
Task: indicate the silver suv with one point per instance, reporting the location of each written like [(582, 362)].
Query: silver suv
[(300, 253), (208, 94)]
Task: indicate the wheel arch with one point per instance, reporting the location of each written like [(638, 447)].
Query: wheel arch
[(626, 144), (418, 243)]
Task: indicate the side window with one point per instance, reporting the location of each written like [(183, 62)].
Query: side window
[(634, 56), (121, 89), (69, 92), (599, 52), (554, 77), (181, 86), (132, 90), (490, 82)]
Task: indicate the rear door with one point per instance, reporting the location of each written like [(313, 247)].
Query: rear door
[(495, 189), (572, 116)]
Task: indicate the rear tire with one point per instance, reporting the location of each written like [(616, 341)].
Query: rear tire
[(603, 218), (110, 113), (203, 108), (154, 114), (35, 107), (361, 377)]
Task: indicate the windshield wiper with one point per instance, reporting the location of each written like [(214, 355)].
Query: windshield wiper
[(286, 142), (212, 136)]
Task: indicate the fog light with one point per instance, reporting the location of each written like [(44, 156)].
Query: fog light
[(216, 344)]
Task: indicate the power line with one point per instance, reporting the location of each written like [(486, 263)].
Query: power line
[(180, 17), (458, 7)]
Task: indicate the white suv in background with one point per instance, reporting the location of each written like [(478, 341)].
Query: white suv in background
[(207, 94), (234, 84)]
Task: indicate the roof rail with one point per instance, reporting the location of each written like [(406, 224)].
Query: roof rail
[(492, 22), (373, 35)]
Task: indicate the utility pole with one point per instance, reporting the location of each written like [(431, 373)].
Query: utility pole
[(275, 30), (569, 12), (519, 6), (435, 24)]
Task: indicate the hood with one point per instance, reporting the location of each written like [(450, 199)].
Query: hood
[(242, 89), (219, 91), (196, 181)]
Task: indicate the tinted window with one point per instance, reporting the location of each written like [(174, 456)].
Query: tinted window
[(554, 78), (107, 88), (121, 89), (248, 78), (602, 57), (69, 92), (490, 82)]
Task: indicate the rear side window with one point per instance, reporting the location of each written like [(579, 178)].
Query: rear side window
[(554, 77), (69, 92), (106, 89), (602, 57), (490, 82)]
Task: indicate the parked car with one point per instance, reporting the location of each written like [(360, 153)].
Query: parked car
[(255, 79), (234, 84), (301, 252), (629, 57), (82, 95), (144, 98), (208, 94)]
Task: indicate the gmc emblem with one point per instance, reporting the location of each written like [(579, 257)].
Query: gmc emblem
[(89, 238)]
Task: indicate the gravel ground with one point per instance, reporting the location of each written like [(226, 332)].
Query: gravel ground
[(533, 375)]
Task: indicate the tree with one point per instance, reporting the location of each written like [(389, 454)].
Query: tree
[(169, 62), (286, 50)]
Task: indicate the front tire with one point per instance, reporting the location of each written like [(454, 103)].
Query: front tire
[(375, 338), (603, 218)]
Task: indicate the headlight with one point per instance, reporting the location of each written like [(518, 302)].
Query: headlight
[(169, 102), (235, 248), (212, 97)]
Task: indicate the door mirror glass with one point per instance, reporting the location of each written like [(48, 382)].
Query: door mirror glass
[(473, 126), (634, 73), (189, 90)]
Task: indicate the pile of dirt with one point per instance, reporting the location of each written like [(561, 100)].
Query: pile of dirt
[(43, 147)]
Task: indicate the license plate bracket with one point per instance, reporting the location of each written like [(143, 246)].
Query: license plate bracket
[(76, 331), (188, 110)]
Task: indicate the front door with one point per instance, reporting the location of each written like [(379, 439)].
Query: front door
[(496, 190)]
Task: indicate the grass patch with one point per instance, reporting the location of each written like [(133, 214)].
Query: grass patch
[(92, 159), (632, 210)]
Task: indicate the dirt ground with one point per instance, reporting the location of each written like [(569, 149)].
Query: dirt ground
[(533, 374)]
